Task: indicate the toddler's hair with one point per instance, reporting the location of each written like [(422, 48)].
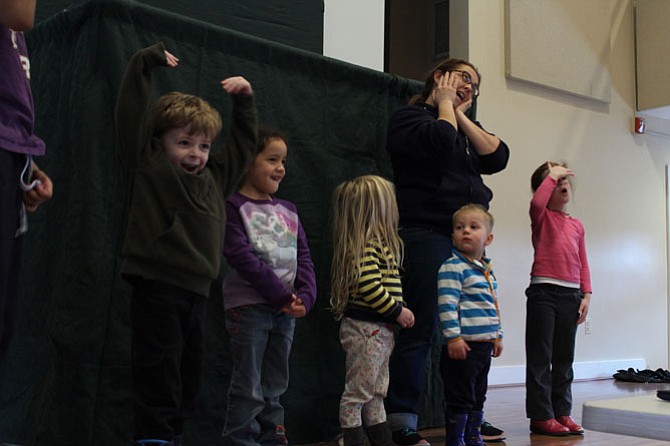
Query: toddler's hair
[(267, 134), (176, 110), (364, 210), (478, 208), (541, 173)]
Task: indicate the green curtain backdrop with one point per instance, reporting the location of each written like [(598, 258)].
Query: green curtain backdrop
[(66, 379), (298, 23)]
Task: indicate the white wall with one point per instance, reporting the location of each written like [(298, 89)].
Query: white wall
[(353, 31), (620, 191)]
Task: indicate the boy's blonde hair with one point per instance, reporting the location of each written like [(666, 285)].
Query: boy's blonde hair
[(477, 208), (176, 110), (364, 209)]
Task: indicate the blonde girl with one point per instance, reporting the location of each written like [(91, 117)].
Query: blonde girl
[(366, 294)]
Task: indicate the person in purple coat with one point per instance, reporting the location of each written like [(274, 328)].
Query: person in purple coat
[(23, 186), (272, 283)]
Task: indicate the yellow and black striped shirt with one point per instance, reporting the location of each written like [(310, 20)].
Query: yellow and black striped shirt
[(379, 294)]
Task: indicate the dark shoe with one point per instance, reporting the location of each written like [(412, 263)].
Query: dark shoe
[(380, 434), (408, 437), (663, 374), (629, 375), (491, 433), (650, 376), (353, 436), (549, 427), (567, 421)]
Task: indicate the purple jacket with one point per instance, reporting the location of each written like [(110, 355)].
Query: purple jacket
[(17, 115), (267, 249)]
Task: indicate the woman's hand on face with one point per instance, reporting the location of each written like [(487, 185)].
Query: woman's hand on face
[(463, 106), (445, 88)]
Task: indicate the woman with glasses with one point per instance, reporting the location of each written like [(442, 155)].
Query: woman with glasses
[(439, 154)]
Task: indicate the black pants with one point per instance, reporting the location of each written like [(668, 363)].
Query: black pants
[(551, 327), (466, 380), (167, 357), (11, 247)]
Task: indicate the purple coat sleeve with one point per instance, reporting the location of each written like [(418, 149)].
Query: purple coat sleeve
[(305, 280)]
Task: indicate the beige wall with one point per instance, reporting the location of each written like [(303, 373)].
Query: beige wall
[(353, 31), (620, 196)]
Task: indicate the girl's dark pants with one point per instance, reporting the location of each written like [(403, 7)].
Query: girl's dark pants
[(551, 327)]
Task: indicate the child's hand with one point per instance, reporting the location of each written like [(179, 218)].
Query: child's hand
[(405, 318), (295, 308), (40, 193), (458, 349), (497, 348), (584, 308), (557, 171), (171, 60), (237, 85)]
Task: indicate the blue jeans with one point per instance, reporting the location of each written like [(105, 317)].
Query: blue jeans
[(260, 343), (425, 251)]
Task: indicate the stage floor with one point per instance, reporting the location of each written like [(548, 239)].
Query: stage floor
[(640, 416)]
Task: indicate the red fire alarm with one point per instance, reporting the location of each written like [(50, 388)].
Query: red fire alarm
[(640, 125)]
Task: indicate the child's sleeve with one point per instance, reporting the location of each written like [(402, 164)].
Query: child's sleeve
[(585, 271), (231, 162), (305, 279), (497, 306), (449, 286), (538, 204), (496, 161), (131, 105)]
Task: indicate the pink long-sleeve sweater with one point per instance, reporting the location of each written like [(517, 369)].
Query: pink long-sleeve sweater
[(558, 239)]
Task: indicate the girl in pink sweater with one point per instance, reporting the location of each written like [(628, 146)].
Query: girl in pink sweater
[(558, 301)]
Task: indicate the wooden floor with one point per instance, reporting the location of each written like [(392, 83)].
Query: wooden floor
[(505, 409)]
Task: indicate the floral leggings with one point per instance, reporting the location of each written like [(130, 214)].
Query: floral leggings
[(368, 346)]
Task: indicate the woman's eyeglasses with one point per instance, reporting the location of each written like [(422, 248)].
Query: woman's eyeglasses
[(468, 80)]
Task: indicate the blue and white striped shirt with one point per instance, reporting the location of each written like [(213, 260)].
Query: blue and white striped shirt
[(466, 299)]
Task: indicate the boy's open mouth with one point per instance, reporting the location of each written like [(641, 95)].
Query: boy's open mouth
[(190, 168)]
